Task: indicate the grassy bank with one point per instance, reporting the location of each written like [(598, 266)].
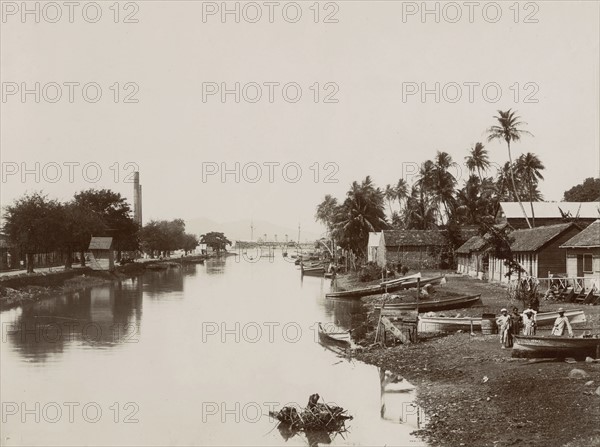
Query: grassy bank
[(475, 394)]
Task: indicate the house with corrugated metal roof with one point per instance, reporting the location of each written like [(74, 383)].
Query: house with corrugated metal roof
[(537, 250), (583, 255), (549, 213)]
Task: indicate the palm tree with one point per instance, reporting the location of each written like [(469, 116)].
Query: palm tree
[(401, 191), (478, 159), (528, 167), (508, 129), (390, 195), (363, 211)]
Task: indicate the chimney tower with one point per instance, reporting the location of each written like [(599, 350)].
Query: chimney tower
[(137, 199)]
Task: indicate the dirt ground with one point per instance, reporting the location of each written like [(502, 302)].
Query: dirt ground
[(475, 394)]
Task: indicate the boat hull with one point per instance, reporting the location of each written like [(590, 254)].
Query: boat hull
[(435, 305), (450, 324), (554, 347), (341, 340), (383, 288)]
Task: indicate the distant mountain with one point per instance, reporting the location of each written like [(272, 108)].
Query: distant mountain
[(240, 230)]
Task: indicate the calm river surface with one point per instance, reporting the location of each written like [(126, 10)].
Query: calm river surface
[(196, 355)]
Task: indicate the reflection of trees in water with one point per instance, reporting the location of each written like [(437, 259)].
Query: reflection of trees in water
[(101, 316), (349, 315), (215, 266), (159, 282)]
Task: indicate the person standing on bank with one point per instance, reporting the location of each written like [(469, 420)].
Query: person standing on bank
[(505, 324), (560, 323), (529, 321), (516, 321)]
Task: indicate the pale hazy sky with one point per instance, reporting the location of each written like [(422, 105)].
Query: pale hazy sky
[(372, 54)]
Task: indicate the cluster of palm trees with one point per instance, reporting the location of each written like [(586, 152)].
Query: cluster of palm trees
[(434, 199)]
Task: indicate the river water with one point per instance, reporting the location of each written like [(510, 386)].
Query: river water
[(193, 355)]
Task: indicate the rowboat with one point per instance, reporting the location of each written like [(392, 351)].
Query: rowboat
[(402, 283), (457, 302), (334, 336), (313, 271), (554, 347), (452, 324)]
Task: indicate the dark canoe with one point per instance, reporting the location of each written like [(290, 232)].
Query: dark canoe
[(336, 338), (313, 271), (378, 289), (554, 347), (458, 302)]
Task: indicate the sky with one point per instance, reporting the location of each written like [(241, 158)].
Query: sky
[(318, 106)]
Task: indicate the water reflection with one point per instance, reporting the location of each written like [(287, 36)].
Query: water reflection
[(157, 283), (92, 317), (397, 400)]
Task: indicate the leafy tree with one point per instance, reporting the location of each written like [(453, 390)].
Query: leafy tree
[(587, 191), (190, 242), (509, 129), (217, 241), (390, 195), (115, 213), (79, 225), (34, 224)]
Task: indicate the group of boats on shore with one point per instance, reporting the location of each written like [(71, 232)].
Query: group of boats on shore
[(428, 322)]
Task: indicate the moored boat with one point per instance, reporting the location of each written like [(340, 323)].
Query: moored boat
[(400, 284), (334, 336), (555, 347), (457, 302), (313, 271)]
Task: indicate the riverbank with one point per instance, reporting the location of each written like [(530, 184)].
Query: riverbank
[(475, 394)]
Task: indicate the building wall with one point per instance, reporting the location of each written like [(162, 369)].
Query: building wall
[(414, 257), (553, 259), (573, 270), (471, 264)]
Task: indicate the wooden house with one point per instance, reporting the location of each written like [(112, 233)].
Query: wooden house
[(373, 246), (538, 250), (102, 253), (471, 258), (583, 256), (413, 248), (548, 213)]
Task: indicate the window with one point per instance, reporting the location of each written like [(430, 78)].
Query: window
[(587, 264)]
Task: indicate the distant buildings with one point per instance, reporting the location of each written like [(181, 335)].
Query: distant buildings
[(548, 213)]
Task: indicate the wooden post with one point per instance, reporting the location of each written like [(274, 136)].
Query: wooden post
[(418, 297)]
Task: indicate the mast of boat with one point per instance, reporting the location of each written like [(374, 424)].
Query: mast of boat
[(251, 230)]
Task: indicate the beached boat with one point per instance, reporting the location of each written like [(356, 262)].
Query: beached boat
[(313, 271), (452, 324), (390, 282), (402, 283), (457, 302), (334, 336), (555, 347)]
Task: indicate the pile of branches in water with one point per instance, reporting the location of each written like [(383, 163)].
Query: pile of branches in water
[(316, 416)]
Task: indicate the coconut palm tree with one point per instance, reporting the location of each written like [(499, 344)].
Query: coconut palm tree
[(528, 167), (401, 191), (509, 129), (390, 195), (478, 160)]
